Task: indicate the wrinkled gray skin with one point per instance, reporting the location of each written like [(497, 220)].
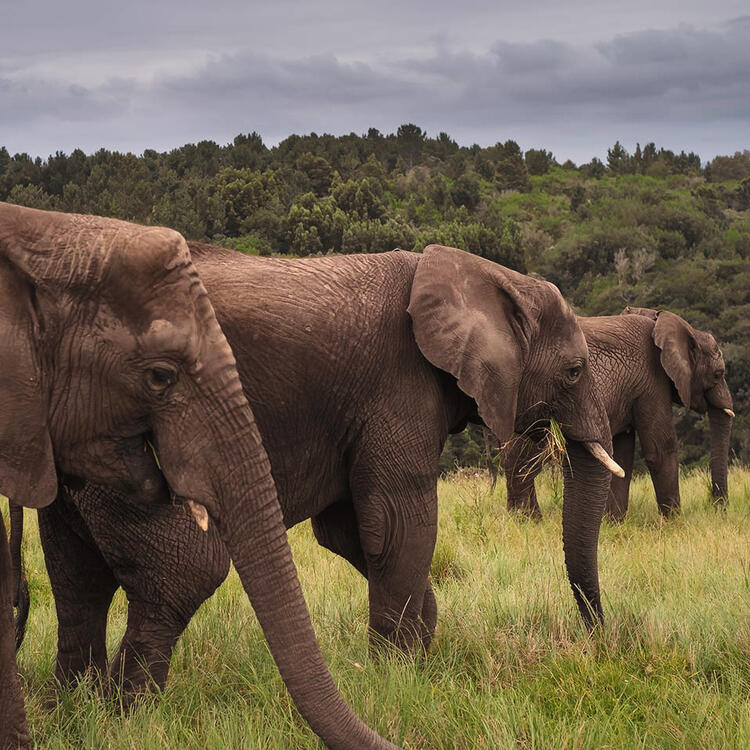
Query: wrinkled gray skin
[(357, 368), (111, 352), (642, 362)]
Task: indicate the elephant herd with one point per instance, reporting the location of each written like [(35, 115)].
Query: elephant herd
[(169, 406)]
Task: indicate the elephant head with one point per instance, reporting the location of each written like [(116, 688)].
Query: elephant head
[(115, 371), (515, 347), (693, 361)]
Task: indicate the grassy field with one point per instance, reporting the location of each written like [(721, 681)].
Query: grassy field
[(511, 665)]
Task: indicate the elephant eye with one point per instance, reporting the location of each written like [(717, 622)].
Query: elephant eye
[(718, 374), (159, 379), (574, 373)]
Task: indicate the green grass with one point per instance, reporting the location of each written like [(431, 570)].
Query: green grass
[(511, 666)]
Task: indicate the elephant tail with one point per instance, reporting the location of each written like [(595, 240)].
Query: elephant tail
[(20, 584)]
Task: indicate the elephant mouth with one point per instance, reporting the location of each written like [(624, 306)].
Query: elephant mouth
[(197, 510), (534, 422), (146, 482)]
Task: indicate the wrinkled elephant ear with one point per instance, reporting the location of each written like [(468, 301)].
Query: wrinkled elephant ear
[(474, 319), (676, 339), (27, 467), (647, 312)]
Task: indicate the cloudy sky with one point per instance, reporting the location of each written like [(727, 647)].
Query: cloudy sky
[(571, 77)]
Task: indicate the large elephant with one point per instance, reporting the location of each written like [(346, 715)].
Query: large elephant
[(115, 371), (642, 362), (357, 368)]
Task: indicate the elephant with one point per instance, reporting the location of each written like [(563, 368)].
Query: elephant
[(115, 371), (357, 367), (642, 362)]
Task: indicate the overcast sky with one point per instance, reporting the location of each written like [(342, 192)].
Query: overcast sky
[(571, 77)]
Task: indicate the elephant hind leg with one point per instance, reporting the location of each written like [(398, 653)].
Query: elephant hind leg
[(623, 448)]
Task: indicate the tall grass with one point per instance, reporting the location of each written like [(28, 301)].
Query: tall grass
[(511, 665)]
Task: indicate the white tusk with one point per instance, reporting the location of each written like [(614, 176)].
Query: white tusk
[(598, 452), (728, 412), (200, 514)]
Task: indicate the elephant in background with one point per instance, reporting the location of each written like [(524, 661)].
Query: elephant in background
[(642, 362), (115, 372), (357, 368)]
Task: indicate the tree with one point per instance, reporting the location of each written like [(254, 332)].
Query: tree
[(318, 170), (465, 191), (618, 160), (410, 139), (511, 174), (538, 161)]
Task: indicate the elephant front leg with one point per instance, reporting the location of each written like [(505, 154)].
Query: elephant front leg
[(660, 451), (398, 549), (14, 731), (623, 448), (142, 661), (522, 462), (82, 586), (167, 566), (336, 529)]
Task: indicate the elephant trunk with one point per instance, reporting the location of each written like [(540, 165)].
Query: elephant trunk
[(585, 492), (721, 427), (252, 527), (221, 464)]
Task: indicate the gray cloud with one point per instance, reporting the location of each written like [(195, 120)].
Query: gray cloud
[(683, 86)]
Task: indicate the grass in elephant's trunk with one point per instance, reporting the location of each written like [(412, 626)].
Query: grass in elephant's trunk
[(511, 662), (550, 443)]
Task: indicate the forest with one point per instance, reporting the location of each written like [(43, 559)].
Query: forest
[(651, 228)]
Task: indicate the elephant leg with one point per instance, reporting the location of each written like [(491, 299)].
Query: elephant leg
[(142, 660), (82, 585), (14, 730), (623, 448), (521, 464), (336, 528), (167, 566), (660, 451), (398, 539)]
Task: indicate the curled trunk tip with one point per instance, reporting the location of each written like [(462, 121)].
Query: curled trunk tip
[(598, 452)]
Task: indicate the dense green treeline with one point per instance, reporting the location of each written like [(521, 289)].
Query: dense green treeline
[(652, 228)]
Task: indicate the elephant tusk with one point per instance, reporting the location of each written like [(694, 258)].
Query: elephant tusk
[(598, 452), (200, 514), (728, 412)]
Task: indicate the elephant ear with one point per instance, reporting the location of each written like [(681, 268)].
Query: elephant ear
[(645, 311), (475, 319), (676, 340), (27, 467)]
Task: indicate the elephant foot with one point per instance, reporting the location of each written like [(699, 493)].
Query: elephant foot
[(614, 517), (133, 677), (526, 512), (670, 511), (405, 639), (15, 739)]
